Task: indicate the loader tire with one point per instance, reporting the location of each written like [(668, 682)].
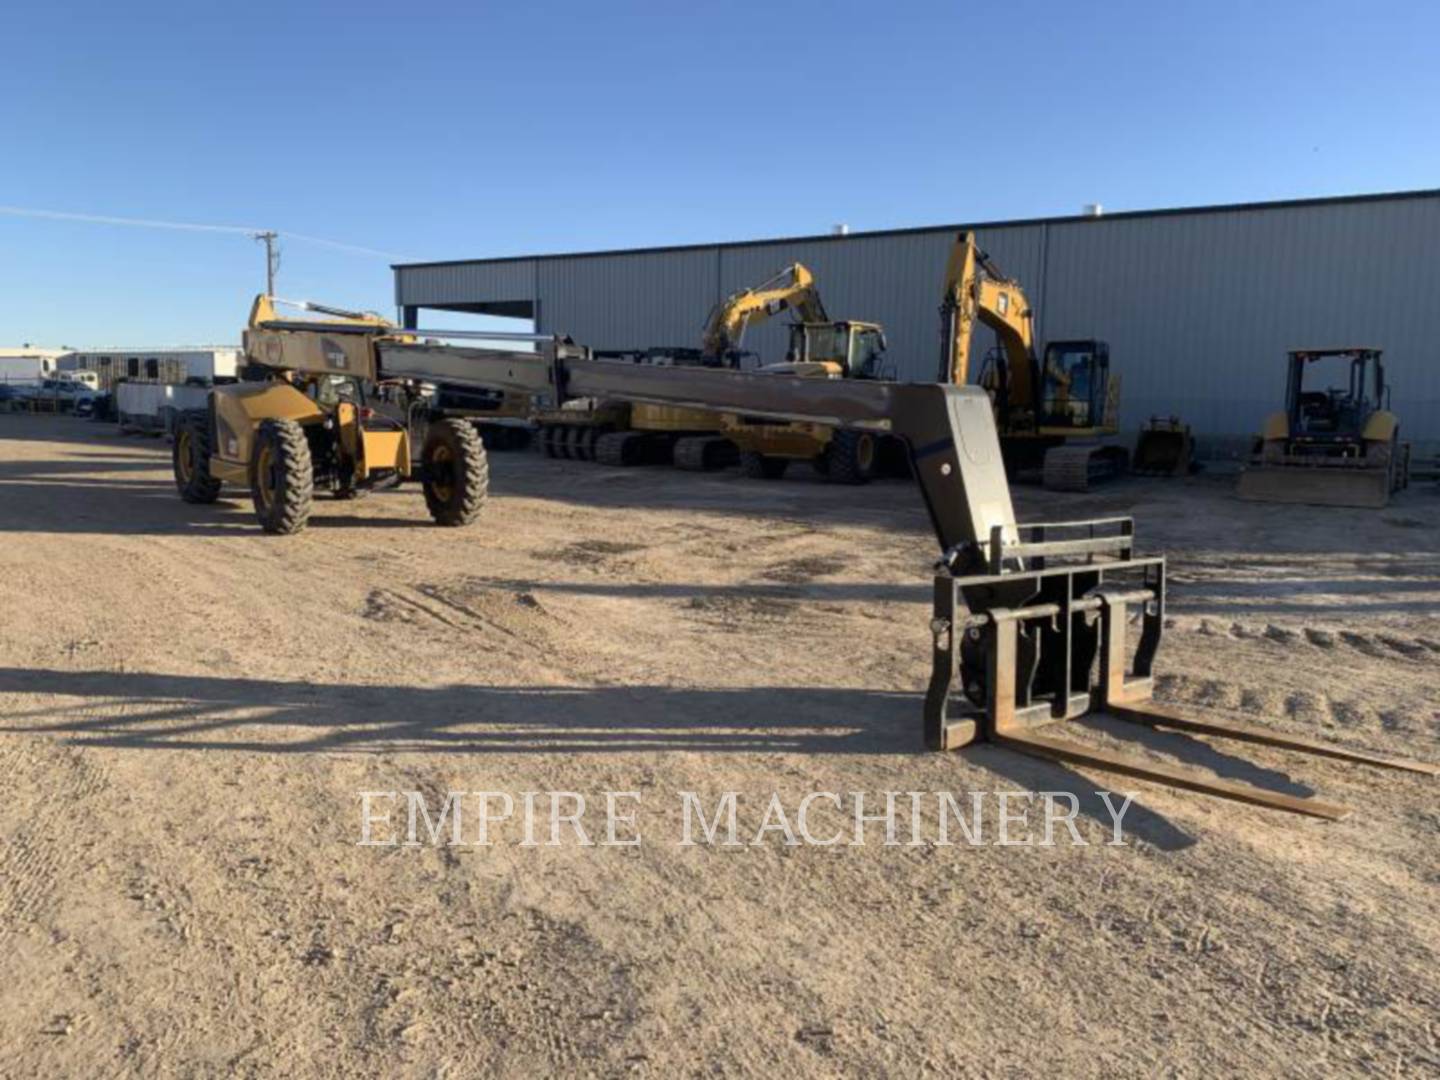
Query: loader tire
[(851, 457), (282, 477), (758, 466), (457, 473), (190, 458)]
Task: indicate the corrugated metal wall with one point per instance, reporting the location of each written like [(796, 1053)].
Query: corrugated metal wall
[(465, 283), (1199, 307)]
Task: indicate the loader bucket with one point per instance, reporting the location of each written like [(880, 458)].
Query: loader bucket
[(1164, 449), (1367, 488)]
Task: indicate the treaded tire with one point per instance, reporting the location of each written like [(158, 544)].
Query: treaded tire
[(282, 477), (457, 472), (851, 457), (759, 466), (190, 459)]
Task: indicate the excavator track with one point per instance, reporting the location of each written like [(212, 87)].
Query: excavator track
[(703, 453), (1077, 468), (620, 448)]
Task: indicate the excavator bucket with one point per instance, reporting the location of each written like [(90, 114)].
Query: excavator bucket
[(1164, 448), (1364, 486)]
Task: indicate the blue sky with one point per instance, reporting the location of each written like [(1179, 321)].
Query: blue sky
[(437, 130)]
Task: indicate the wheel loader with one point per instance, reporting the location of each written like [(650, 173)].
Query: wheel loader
[(314, 422), (844, 349), (1339, 446)]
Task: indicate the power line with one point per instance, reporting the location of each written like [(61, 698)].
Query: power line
[(188, 226)]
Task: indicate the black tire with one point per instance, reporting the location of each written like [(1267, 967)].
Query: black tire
[(282, 477), (190, 459), (759, 466), (547, 440), (851, 457), (457, 472)]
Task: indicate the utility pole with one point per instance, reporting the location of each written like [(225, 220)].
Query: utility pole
[(272, 258)]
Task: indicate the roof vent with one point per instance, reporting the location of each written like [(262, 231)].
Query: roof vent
[(840, 230), (1092, 209)]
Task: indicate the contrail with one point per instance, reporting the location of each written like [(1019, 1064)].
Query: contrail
[(190, 226)]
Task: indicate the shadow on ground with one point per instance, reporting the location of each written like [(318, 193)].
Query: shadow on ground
[(181, 713)]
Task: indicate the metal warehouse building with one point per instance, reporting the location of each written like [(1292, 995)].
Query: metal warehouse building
[(1199, 305)]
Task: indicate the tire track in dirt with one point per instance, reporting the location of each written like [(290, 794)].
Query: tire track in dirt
[(35, 859), (1378, 645), (1304, 708)]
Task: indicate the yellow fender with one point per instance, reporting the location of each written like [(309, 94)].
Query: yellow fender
[(1381, 427), (1276, 426)]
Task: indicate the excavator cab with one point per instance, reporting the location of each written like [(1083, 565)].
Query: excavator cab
[(841, 350), (1074, 384)]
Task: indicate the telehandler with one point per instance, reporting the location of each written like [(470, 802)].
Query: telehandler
[(1030, 624), (311, 423)]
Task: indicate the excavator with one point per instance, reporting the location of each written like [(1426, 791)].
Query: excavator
[(1051, 410), (626, 433)]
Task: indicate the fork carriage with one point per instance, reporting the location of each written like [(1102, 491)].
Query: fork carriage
[(1021, 644)]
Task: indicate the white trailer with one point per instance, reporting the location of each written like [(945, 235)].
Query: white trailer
[(175, 364), (26, 366), (155, 408)]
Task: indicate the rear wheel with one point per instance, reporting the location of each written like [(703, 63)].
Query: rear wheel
[(282, 477), (190, 457), (759, 466), (457, 473), (851, 457)]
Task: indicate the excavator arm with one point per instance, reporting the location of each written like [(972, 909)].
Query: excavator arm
[(792, 289), (975, 289)]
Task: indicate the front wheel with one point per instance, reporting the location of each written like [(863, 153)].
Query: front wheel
[(457, 473), (282, 477), (851, 456), (190, 458)]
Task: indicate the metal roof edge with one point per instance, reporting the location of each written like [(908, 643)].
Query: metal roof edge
[(1119, 215)]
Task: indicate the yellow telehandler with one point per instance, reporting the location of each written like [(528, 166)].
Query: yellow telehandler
[(310, 419)]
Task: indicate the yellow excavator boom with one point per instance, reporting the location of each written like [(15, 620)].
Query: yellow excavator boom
[(792, 289), (975, 289)]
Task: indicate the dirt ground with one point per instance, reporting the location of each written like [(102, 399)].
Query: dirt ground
[(189, 710)]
